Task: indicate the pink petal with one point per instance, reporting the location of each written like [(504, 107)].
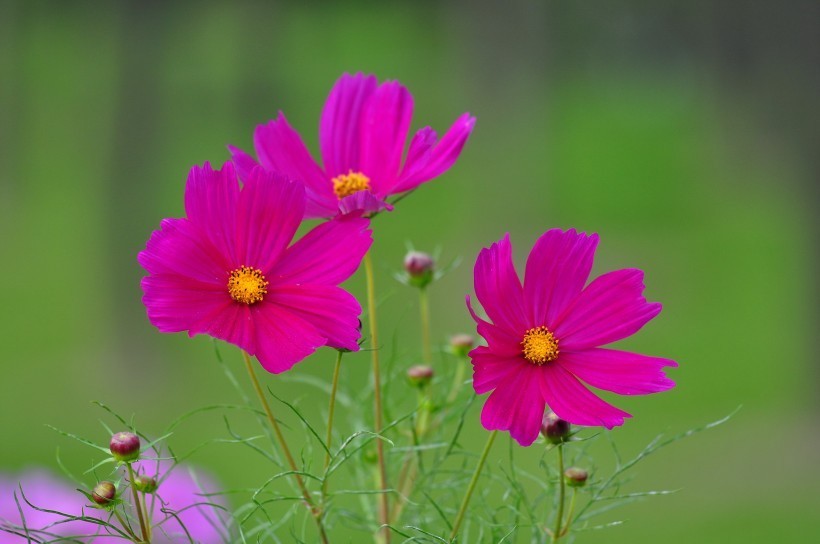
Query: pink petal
[(557, 270), (210, 203), (332, 311), (280, 149), (575, 403), (181, 248), (340, 126), (498, 288), (363, 203), (621, 372), (176, 304), (425, 164), (516, 406), (385, 122), (612, 307), (328, 254), (282, 338), (234, 324), (243, 163), (269, 212), (501, 341), (490, 368)]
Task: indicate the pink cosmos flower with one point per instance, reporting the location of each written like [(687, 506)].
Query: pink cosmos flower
[(362, 136), (545, 336), (227, 271)]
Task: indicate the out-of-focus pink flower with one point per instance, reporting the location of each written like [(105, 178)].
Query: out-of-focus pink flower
[(545, 335), (362, 136), (227, 271)]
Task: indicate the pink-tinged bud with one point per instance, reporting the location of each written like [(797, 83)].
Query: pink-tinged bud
[(419, 375), (125, 447), (461, 344), (576, 477), (146, 484), (555, 429), (419, 267), (103, 493)]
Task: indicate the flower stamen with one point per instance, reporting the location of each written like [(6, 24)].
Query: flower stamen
[(539, 346), (247, 285), (350, 183)]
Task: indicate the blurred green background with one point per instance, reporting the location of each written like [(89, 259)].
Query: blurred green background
[(686, 134)]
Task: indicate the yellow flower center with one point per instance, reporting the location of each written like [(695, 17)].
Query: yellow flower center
[(539, 346), (350, 183), (247, 285)]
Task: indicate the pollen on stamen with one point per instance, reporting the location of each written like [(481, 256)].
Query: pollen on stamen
[(247, 285), (350, 183), (539, 346)]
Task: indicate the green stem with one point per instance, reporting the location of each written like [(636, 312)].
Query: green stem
[(127, 527), (384, 506), (471, 487), (332, 407), (424, 310), (561, 488), (458, 380), (137, 506), (565, 530), (285, 449)]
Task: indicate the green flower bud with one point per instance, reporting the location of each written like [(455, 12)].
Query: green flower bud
[(555, 429), (576, 477), (419, 375), (125, 447), (104, 492), (461, 344), (419, 267), (144, 483)]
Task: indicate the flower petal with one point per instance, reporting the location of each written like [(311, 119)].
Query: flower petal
[(328, 254), (490, 369), (501, 341), (181, 248), (575, 403), (557, 270), (243, 163), (234, 324), (363, 202), (621, 372), (427, 159), (340, 126), (332, 311), (269, 212), (385, 122), (210, 203), (516, 406), (282, 338), (176, 304), (612, 307), (498, 288), (280, 149)]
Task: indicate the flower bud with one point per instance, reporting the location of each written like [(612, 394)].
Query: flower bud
[(575, 477), (144, 483), (461, 344), (125, 447), (419, 267), (555, 429), (104, 492), (419, 375)]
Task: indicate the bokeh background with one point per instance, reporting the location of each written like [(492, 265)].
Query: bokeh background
[(685, 133)]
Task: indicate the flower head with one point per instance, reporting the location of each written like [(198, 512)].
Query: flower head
[(227, 269), (362, 136), (544, 336)]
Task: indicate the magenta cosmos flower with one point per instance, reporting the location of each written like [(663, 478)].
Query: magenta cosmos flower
[(544, 337), (362, 135), (226, 270)]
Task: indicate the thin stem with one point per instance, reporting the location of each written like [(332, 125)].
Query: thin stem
[(332, 408), (565, 530), (384, 506), (127, 527), (471, 487), (137, 505), (424, 310), (458, 380), (278, 432), (561, 488)]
